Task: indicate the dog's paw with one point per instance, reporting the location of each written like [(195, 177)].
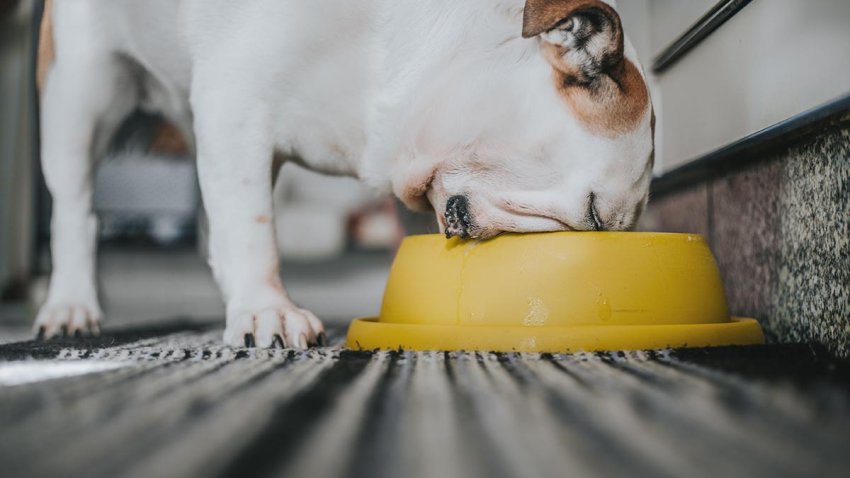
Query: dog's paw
[(286, 326), (67, 319)]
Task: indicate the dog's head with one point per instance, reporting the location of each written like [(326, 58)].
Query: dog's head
[(544, 132)]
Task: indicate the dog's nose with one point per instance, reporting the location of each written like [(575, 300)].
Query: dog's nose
[(458, 219), (593, 215)]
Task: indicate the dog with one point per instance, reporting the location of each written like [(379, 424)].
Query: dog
[(498, 115)]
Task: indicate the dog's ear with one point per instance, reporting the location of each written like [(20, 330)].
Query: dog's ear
[(582, 38), (541, 16)]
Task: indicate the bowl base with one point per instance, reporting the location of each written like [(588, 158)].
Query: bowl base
[(370, 334)]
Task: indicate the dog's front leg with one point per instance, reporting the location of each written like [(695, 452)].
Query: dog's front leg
[(84, 100), (235, 168)]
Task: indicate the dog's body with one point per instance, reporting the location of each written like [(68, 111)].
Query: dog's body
[(444, 102)]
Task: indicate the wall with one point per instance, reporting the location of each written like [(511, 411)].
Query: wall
[(780, 230), (777, 218), (772, 60)]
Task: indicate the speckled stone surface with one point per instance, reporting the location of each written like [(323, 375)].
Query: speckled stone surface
[(811, 300), (745, 217), (780, 230)]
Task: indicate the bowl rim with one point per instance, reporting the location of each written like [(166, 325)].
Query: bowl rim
[(619, 234)]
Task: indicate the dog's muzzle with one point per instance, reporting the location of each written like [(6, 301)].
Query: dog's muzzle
[(458, 219)]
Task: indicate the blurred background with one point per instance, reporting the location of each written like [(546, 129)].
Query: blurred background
[(725, 81)]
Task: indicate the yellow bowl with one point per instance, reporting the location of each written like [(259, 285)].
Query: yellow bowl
[(554, 292)]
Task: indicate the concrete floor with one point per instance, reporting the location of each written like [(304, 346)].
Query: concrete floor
[(141, 285), (145, 286)]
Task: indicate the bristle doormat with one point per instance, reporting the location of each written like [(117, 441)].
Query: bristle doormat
[(170, 400)]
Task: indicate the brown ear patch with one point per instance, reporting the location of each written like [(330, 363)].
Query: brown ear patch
[(604, 90), (46, 52), (613, 105)]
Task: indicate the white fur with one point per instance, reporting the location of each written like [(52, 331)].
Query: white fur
[(428, 98)]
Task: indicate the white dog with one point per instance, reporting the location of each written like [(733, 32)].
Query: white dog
[(500, 115)]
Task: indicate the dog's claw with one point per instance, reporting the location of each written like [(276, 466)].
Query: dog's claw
[(74, 321), (322, 340), (296, 328)]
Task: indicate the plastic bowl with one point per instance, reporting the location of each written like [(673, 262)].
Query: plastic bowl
[(554, 292)]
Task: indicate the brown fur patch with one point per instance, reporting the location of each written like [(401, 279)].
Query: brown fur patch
[(273, 279), (46, 48), (605, 91), (612, 105), (169, 140)]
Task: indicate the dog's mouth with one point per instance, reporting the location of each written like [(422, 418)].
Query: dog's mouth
[(491, 216), (459, 220)]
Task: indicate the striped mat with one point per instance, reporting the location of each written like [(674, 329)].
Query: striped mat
[(171, 401)]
